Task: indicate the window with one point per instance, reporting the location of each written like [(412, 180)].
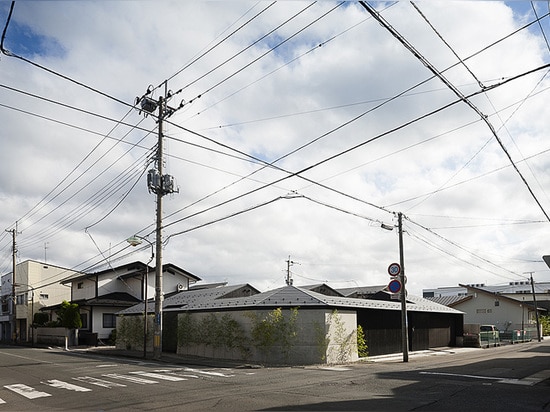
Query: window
[(80, 285), (109, 320), (481, 310), (44, 296), (497, 303), (84, 318)]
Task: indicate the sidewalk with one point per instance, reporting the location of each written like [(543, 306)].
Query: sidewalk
[(398, 357), (171, 358), (229, 363)]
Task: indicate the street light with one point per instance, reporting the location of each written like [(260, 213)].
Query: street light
[(135, 241)]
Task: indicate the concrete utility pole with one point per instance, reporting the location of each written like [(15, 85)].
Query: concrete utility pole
[(13, 315), (288, 279), (157, 337), (403, 293), (535, 304), (161, 185)]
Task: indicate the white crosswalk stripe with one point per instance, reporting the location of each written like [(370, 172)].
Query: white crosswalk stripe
[(159, 376), (134, 379), (140, 377), (65, 385), (99, 382), (209, 373), (27, 391)]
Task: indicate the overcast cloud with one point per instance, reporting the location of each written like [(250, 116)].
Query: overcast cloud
[(331, 94)]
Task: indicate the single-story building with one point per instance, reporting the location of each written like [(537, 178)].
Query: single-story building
[(291, 325)]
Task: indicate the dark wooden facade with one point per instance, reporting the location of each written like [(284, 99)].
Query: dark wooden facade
[(426, 330)]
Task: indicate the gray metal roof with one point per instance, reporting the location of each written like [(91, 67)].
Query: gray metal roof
[(449, 300), (193, 298), (361, 290), (288, 296)]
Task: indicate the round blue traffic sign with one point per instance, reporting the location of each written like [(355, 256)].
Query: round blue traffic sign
[(394, 286)]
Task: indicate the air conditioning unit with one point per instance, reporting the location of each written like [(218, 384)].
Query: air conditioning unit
[(180, 287)]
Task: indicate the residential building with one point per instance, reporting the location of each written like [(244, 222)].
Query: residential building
[(37, 285), (102, 294), (229, 322), (481, 306), (518, 290)]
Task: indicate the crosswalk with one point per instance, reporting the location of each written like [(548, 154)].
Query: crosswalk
[(111, 380)]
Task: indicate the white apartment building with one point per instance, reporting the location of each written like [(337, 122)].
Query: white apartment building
[(37, 285)]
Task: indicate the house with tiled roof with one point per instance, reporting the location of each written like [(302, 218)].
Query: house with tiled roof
[(481, 306), (100, 295), (319, 327)]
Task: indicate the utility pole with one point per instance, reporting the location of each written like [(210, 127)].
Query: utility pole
[(535, 304), (288, 279), (161, 185), (157, 336), (13, 315), (403, 292)]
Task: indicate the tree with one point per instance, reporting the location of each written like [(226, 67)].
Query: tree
[(40, 319), (69, 316)]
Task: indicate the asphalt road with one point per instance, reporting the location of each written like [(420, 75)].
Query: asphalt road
[(506, 378)]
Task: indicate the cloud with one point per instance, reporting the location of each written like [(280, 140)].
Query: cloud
[(328, 92)]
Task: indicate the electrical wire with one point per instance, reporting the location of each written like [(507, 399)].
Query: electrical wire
[(78, 83), (457, 92)]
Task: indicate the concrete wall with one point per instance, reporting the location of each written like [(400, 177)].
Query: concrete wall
[(56, 336), (322, 336)]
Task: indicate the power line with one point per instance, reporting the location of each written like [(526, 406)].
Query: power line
[(457, 92), (10, 54)]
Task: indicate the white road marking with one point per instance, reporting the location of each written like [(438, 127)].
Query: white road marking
[(99, 382), (223, 375), (527, 381), (159, 376), (2, 401), (25, 357), (65, 385), (461, 375), (109, 365), (26, 391), (335, 368), (134, 379)]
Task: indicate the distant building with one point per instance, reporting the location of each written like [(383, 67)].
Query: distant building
[(37, 285), (483, 307), (518, 290)]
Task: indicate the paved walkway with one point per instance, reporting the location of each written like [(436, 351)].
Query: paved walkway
[(195, 360)]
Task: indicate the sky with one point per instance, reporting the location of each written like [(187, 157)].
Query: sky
[(298, 130)]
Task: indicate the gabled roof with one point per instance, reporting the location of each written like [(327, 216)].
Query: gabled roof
[(322, 288), (115, 299), (499, 296), (289, 296), (195, 298), (131, 270), (361, 291), (450, 301), (207, 285)]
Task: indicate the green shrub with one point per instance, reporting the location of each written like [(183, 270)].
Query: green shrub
[(362, 348)]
